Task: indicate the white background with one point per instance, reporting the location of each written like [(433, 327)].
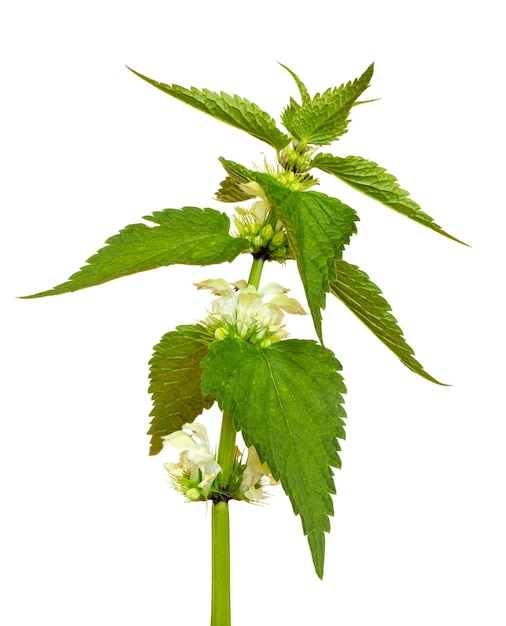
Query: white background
[(91, 533)]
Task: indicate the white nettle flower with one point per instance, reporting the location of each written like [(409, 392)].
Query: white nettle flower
[(253, 478), (196, 461), (241, 311)]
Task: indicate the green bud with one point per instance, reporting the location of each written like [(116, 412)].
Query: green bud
[(278, 240), (221, 333), (194, 494), (266, 232)]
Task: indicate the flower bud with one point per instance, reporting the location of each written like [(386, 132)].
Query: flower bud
[(221, 333), (267, 232), (194, 494)]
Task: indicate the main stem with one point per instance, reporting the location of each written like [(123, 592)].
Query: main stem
[(220, 602), (220, 594)]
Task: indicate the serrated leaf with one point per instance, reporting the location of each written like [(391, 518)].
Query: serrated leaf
[(232, 110), (175, 385), (238, 173), (231, 189), (374, 181), (287, 401), (304, 94), (323, 118), (289, 112), (354, 288), (318, 227), (189, 236)]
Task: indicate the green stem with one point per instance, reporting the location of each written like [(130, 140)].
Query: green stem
[(220, 601), (220, 606), (226, 451), (255, 273)]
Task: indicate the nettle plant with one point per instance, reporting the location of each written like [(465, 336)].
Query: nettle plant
[(284, 395)]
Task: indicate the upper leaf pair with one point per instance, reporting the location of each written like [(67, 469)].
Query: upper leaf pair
[(318, 120)]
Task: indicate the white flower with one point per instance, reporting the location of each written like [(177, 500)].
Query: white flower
[(253, 477), (241, 312), (196, 461)]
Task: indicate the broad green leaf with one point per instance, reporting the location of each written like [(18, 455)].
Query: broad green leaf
[(175, 385), (233, 110), (190, 236), (375, 182), (323, 118), (354, 288), (318, 227), (287, 401)]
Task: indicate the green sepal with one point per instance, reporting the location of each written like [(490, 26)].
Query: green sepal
[(287, 401), (232, 110), (323, 118), (189, 236), (374, 181), (175, 383), (354, 288)]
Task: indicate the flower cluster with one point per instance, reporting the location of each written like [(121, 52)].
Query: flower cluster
[(252, 223), (194, 475), (240, 311)]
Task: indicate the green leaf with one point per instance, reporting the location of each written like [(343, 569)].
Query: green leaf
[(304, 94), (287, 401), (190, 236), (230, 191), (323, 118), (318, 227), (233, 110), (354, 288), (175, 385), (289, 113), (375, 182)]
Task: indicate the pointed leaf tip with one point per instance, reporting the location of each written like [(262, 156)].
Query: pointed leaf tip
[(363, 298), (374, 181), (187, 236), (233, 110)]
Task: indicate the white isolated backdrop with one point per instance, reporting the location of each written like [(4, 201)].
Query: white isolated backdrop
[(90, 531)]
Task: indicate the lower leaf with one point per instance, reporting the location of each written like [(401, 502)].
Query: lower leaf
[(287, 401), (175, 385)]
